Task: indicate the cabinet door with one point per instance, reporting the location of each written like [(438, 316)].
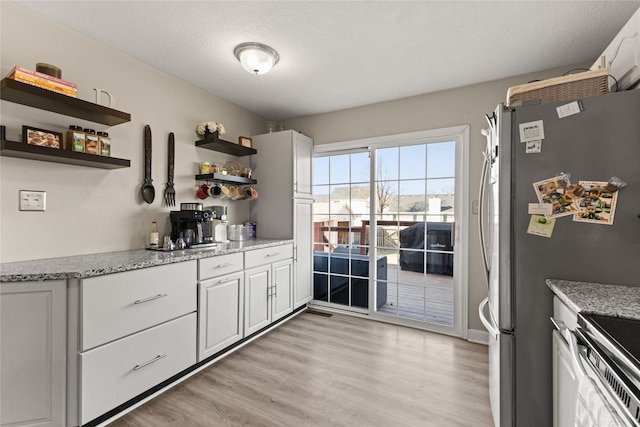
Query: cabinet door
[(32, 354), (257, 313), (282, 289), (302, 163), (303, 254), (220, 315), (565, 384)]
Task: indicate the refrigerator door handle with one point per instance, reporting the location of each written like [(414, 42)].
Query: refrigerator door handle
[(481, 218), (486, 322)]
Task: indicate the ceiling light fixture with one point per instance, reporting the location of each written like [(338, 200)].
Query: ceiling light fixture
[(256, 58)]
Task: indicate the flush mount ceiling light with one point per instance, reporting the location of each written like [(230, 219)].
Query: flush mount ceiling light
[(256, 58)]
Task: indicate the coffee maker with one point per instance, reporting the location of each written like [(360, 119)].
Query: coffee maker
[(194, 226)]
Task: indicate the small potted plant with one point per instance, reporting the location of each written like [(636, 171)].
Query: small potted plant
[(210, 129)]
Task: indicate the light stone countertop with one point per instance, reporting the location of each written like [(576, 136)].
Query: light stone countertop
[(81, 266), (598, 298)]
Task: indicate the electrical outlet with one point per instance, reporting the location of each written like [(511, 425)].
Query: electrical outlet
[(33, 200), (474, 207)]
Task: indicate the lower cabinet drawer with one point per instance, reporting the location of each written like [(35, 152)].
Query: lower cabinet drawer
[(254, 258), (219, 265), (118, 371), (120, 304)]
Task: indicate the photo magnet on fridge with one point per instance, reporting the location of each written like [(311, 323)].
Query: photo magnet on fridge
[(560, 194), (597, 205)]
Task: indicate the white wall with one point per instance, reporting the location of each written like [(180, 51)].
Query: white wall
[(95, 210), (461, 106)]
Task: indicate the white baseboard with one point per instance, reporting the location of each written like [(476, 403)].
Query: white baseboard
[(477, 336)]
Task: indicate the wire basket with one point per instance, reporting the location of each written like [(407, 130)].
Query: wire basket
[(573, 86)]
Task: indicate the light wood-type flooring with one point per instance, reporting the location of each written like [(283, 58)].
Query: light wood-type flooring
[(332, 371)]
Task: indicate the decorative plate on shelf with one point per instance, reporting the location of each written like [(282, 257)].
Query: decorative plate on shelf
[(233, 168)]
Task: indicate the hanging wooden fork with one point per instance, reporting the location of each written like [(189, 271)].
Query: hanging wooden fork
[(169, 191)]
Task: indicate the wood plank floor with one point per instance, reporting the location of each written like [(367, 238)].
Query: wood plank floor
[(332, 371), (424, 297)]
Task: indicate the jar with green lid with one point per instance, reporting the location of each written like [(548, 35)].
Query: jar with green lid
[(104, 143), (91, 145), (74, 139)]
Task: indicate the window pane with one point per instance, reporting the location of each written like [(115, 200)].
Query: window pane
[(412, 161), (360, 168), (441, 186), (441, 159), (386, 196), (339, 200), (321, 170), (387, 159), (339, 169)]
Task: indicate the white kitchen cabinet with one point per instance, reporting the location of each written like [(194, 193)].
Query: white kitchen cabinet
[(565, 377), (268, 293), (32, 354), (284, 209), (220, 303), (120, 370), (129, 331), (303, 255), (115, 305)]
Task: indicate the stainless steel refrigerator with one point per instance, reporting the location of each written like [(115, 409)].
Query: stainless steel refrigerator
[(597, 138)]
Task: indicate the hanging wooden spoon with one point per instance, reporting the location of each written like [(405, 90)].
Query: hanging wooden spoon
[(148, 192)]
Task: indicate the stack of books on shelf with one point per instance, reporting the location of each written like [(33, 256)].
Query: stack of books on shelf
[(43, 81)]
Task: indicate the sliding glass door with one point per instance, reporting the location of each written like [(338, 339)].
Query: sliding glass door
[(385, 220)]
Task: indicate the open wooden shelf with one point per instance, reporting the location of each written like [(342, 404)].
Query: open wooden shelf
[(231, 179), (33, 96), (222, 146), (33, 152)]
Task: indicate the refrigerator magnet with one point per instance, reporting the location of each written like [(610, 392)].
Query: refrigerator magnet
[(533, 146), (540, 209), (597, 204), (559, 194), (569, 109), (541, 226), (531, 131)]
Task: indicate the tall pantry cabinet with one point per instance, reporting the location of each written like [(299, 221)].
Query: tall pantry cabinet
[(283, 209)]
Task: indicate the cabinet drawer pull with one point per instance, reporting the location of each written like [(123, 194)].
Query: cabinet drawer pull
[(273, 254), (155, 359), (228, 264), (140, 301)]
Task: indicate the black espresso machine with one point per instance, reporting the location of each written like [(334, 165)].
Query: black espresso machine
[(195, 226)]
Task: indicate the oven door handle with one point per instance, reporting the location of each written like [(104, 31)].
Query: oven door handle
[(570, 337)]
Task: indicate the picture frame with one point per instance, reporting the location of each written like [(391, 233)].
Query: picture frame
[(245, 141), (41, 137)]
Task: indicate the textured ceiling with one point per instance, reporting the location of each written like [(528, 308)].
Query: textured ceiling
[(341, 54)]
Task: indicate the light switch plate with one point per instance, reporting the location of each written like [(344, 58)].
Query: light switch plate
[(33, 200)]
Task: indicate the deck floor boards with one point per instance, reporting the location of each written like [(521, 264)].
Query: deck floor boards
[(413, 295)]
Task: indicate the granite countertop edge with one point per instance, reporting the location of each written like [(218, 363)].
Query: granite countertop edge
[(598, 298), (91, 265)]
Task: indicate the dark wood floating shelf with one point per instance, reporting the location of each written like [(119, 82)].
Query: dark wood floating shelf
[(222, 146), (34, 152), (225, 178), (32, 96)]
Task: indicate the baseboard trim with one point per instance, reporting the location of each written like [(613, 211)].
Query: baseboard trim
[(478, 337)]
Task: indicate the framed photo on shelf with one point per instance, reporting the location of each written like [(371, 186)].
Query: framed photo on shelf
[(245, 141), (41, 137)]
